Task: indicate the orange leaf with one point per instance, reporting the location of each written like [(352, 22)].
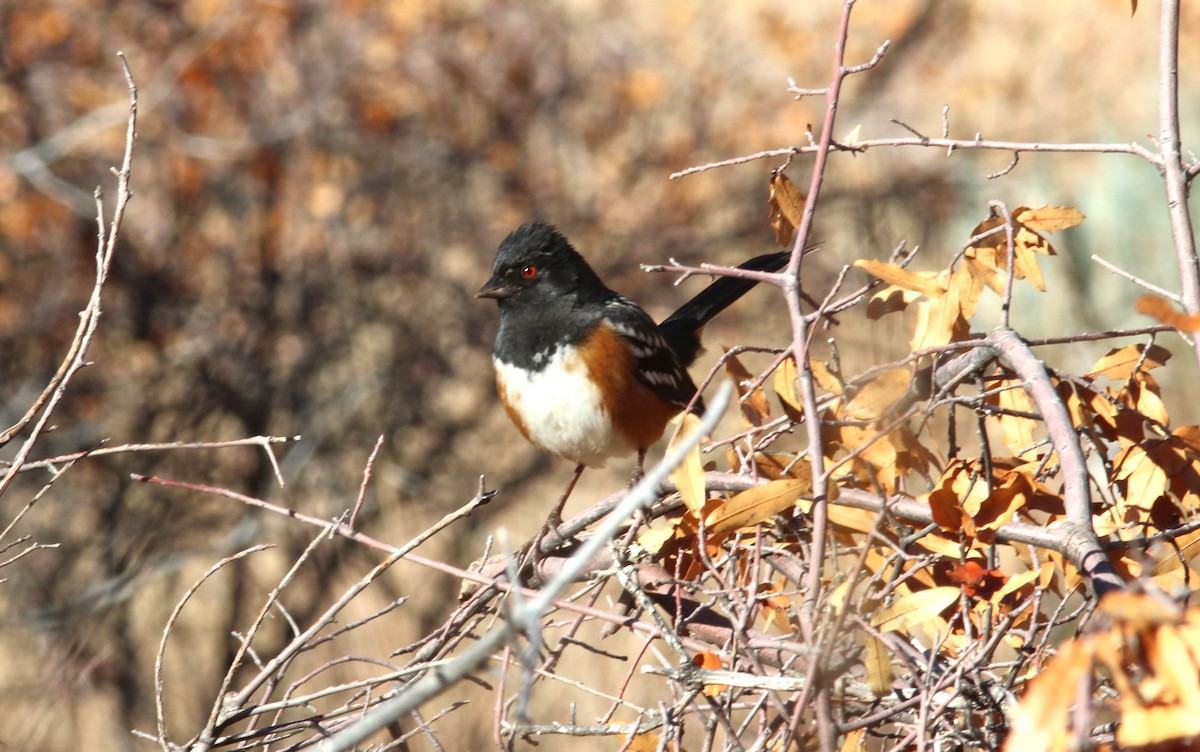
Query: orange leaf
[(1161, 309), (646, 742), (707, 661)]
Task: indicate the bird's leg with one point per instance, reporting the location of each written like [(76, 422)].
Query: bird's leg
[(639, 516), (555, 518), (530, 551), (639, 472)]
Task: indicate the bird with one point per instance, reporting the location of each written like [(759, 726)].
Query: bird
[(584, 372)]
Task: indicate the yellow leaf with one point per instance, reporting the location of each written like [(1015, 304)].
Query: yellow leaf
[(969, 288), (787, 389), (823, 376), (880, 393), (928, 284), (1018, 581), (1146, 397), (758, 504), (939, 322), (1049, 218), (653, 539), (689, 477), (1019, 432), (1118, 364), (852, 137), (878, 661), (914, 608)]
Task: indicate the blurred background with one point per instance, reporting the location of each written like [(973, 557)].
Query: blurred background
[(319, 188)]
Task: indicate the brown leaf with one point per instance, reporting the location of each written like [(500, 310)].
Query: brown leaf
[(773, 465), (755, 408), (1144, 395), (1161, 309), (786, 203), (758, 504), (889, 300)]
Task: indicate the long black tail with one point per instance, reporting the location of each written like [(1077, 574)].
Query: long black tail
[(682, 329)]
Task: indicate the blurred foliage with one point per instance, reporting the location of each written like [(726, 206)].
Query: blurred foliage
[(319, 187)]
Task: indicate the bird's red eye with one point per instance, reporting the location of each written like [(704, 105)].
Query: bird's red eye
[(529, 272)]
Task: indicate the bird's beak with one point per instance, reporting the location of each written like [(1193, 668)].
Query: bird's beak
[(495, 288)]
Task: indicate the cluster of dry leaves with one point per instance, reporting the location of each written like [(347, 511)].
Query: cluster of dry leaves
[(958, 580)]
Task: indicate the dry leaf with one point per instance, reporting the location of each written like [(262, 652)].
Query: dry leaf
[(823, 377), (689, 477), (889, 300), (1119, 363), (1049, 218), (878, 661), (709, 662), (758, 504), (788, 391), (786, 204), (1020, 433), (646, 742), (880, 393), (854, 740), (1040, 720), (914, 608), (1161, 309), (927, 283), (755, 408)]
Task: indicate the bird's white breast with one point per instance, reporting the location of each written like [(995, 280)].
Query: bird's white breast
[(561, 409)]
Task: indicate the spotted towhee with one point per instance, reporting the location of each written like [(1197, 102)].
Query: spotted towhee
[(584, 372)]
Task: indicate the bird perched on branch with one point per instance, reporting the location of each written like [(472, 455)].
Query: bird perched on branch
[(584, 372)]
